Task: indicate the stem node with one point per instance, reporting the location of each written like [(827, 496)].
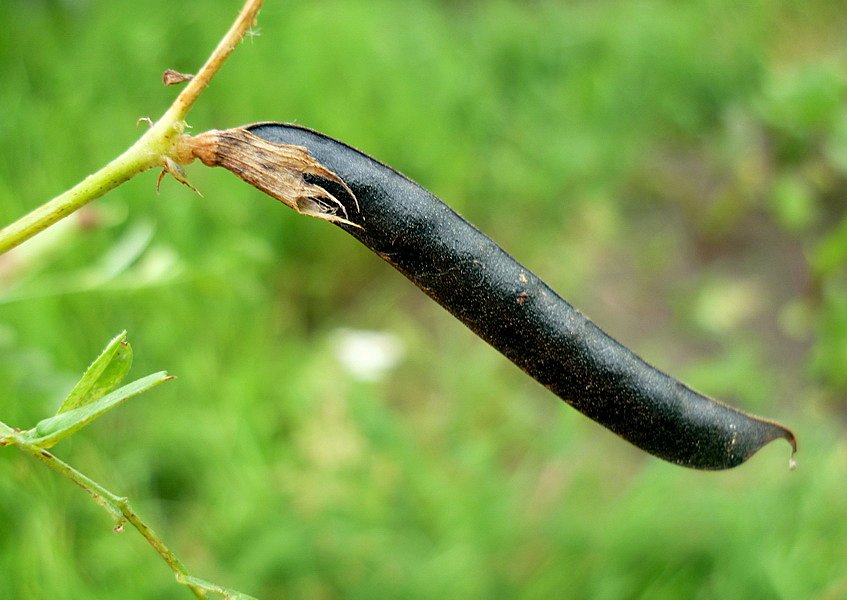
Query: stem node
[(154, 148)]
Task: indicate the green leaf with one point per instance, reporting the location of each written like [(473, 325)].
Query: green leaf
[(50, 432), (104, 375)]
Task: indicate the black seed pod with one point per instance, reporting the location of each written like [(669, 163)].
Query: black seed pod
[(517, 313)]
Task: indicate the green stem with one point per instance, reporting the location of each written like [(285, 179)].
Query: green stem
[(146, 153), (157, 147), (118, 506)]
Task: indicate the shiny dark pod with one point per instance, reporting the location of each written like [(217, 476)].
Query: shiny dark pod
[(517, 313)]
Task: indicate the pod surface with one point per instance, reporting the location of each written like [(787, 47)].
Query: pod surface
[(505, 304)]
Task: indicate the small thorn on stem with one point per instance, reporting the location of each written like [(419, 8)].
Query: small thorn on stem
[(141, 120)]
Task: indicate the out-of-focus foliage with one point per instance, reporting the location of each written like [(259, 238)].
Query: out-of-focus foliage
[(676, 170)]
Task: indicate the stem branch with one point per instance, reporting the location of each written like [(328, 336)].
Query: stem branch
[(157, 147), (131, 162), (117, 506), (242, 24)]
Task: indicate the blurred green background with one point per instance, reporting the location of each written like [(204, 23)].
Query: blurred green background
[(676, 170)]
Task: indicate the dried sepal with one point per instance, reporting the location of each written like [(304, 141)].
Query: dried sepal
[(171, 77), (276, 169), (176, 171)]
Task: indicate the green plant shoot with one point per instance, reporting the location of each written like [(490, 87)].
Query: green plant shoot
[(102, 376), (50, 432)]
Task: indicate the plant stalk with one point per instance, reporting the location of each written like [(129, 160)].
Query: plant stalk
[(118, 506), (139, 157), (157, 147)]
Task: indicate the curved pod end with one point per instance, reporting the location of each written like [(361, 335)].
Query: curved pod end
[(727, 437), (766, 432)]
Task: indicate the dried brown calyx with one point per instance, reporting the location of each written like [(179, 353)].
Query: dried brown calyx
[(171, 77), (276, 169)]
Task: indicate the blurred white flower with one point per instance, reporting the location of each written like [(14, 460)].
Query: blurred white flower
[(367, 355)]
